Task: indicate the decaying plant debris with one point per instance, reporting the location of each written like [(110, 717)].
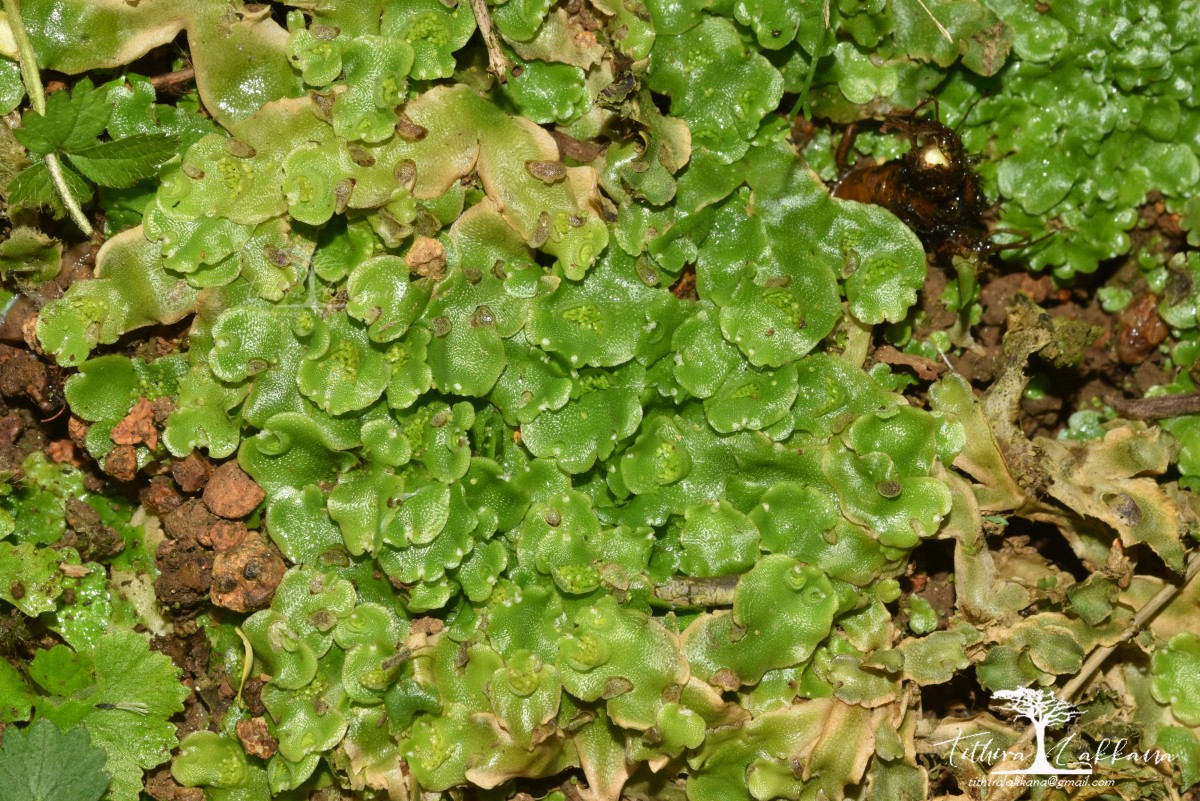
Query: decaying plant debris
[(490, 400)]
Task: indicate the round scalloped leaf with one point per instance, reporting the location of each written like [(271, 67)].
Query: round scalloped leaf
[(384, 443), (29, 576), (717, 540), (316, 52), (900, 510), (519, 20), (419, 517), (299, 523), (525, 695), (481, 570), (532, 383), (555, 539), (547, 92), (211, 760), (775, 22), (1177, 675), (437, 748), (657, 458), (70, 327), (189, 243), (289, 453), (777, 300), (904, 433), (589, 321), (860, 78), (438, 433), (703, 358), (624, 656), (1038, 179), (469, 315), (311, 721), (341, 247), (212, 181), (831, 389), (465, 354), (131, 289), (105, 388), (500, 502), (312, 179), (447, 550), (884, 261), (358, 504), (408, 362), (752, 400), (975, 34), (201, 418), (433, 30), (276, 259), (382, 296), (346, 372), (377, 70), (588, 428), (805, 522), (717, 84), (638, 29), (246, 341), (781, 611)]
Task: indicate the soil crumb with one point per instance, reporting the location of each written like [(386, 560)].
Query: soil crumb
[(121, 463), (231, 493), (88, 535), (161, 786), (244, 578), (191, 473), (137, 427), (256, 739)]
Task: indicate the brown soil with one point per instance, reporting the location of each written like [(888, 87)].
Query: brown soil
[(160, 785), (137, 427), (256, 739), (191, 473), (231, 493), (121, 463), (185, 565), (245, 576), (159, 497), (23, 375), (85, 533), (225, 535)]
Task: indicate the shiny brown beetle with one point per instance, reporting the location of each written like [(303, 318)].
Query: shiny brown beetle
[(932, 188)]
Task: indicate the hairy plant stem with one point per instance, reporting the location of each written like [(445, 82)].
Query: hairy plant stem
[(32, 76), (1093, 663)]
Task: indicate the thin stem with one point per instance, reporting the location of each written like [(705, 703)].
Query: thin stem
[(1156, 408), (497, 61), (172, 81), (68, 199), (1143, 616), (32, 77), (936, 22), (29, 68)]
